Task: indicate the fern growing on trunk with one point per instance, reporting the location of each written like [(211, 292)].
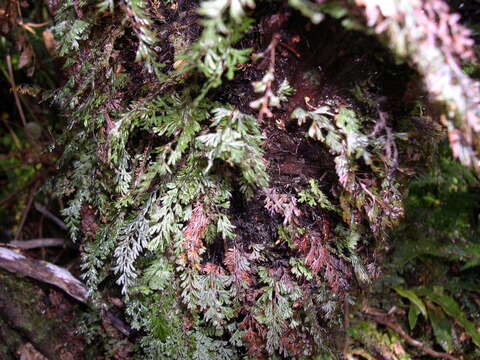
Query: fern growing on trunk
[(231, 233)]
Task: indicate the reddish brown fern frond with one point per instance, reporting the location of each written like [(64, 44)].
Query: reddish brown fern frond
[(254, 337), (319, 258), (296, 342), (193, 235), (211, 268), (283, 204), (238, 263)]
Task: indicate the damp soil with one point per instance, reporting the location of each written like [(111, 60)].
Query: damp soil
[(323, 64)]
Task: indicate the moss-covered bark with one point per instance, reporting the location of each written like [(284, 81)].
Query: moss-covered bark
[(28, 313)]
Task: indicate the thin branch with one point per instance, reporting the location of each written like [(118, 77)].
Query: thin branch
[(38, 243), (43, 210), (11, 79), (26, 210), (290, 48), (381, 317), (118, 323), (264, 110), (44, 272)]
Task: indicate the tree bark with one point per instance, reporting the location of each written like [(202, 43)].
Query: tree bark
[(29, 314)]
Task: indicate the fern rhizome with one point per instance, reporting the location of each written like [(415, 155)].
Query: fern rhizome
[(235, 168)]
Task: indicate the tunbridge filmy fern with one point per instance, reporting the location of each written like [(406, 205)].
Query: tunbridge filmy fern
[(346, 141), (218, 250)]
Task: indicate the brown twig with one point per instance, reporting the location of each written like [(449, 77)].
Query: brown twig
[(44, 211), (264, 110), (26, 210), (476, 298), (291, 49), (14, 137), (44, 272), (390, 145), (11, 79), (382, 318), (37, 243)]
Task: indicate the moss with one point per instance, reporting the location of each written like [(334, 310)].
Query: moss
[(25, 307), (11, 341)]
